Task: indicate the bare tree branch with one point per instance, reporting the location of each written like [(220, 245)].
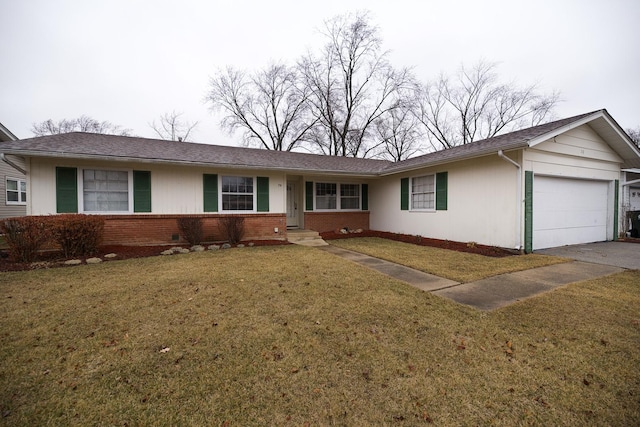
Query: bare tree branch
[(172, 128), (352, 85), (81, 124), (269, 107), (473, 106), (634, 134)]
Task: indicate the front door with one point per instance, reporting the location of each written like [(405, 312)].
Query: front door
[(292, 205)]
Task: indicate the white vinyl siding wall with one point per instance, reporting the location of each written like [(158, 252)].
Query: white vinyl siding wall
[(174, 190)]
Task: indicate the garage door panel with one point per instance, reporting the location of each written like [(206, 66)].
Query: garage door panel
[(558, 219), (568, 211)]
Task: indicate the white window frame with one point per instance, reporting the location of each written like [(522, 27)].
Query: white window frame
[(338, 197), (411, 193), (81, 191), (254, 194), (20, 202)]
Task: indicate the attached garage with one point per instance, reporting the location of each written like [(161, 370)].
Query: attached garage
[(570, 211)]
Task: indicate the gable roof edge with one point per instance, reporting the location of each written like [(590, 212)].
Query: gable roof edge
[(569, 126)]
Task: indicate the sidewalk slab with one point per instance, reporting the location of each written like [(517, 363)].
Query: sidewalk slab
[(416, 278), (505, 289)]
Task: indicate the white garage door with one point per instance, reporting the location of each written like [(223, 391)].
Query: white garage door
[(568, 211)]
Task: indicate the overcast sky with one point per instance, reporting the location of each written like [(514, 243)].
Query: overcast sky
[(129, 61)]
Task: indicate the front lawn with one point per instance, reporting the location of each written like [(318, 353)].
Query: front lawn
[(292, 336), (459, 266)]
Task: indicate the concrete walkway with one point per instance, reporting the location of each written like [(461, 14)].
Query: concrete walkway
[(416, 278), (486, 294)]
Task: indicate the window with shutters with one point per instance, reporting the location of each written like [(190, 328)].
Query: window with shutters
[(337, 196), (16, 191), (425, 193)]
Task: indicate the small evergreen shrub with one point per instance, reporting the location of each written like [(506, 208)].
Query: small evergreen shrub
[(25, 236), (232, 227), (77, 234), (191, 229)]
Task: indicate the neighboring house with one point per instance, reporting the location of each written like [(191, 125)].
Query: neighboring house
[(549, 185), (631, 201), (13, 182)]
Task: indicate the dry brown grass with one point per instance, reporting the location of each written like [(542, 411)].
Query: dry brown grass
[(459, 266), (293, 335)]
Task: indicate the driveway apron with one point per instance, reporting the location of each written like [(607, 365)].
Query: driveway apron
[(498, 291)]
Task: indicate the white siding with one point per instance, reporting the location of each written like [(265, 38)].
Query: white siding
[(582, 157), (482, 204), (174, 189), (579, 153)]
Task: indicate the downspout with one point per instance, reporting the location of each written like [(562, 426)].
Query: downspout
[(518, 198), (13, 165)]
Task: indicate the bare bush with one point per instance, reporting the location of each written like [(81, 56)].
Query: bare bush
[(232, 227), (191, 229)]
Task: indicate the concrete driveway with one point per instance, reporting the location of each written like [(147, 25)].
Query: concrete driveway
[(618, 254)]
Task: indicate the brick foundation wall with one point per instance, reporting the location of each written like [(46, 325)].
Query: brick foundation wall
[(160, 229), (331, 221)]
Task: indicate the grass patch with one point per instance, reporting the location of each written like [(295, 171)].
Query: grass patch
[(293, 335), (459, 266)]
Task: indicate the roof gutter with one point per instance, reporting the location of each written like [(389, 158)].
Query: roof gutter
[(518, 198), (13, 165)]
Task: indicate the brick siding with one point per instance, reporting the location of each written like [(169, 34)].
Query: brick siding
[(331, 221), (160, 229)]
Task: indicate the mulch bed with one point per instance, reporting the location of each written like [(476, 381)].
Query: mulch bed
[(473, 248), (53, 259)]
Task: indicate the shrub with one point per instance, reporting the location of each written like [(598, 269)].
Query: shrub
[(25, 236), (191, 229), (232, 227), (78, 234)]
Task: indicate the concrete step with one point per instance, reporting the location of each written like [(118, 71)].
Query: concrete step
[(305, 238)]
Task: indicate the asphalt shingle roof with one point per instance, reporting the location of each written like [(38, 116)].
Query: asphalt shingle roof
[(508, 141), (98, 146), (113, 147)]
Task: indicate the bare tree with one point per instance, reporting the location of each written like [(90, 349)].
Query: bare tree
[(634, 134), (474, 105), (269, 106), (352, 86), (400, 132), (172, 128), (81, 124)]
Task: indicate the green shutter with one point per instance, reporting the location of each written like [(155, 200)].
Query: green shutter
[(404, 194), (616, 220), (365, 197), (210, 196), (528, 211), (441, 191), (141, 191), (66, 190), (308, 195), (263, 193)]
